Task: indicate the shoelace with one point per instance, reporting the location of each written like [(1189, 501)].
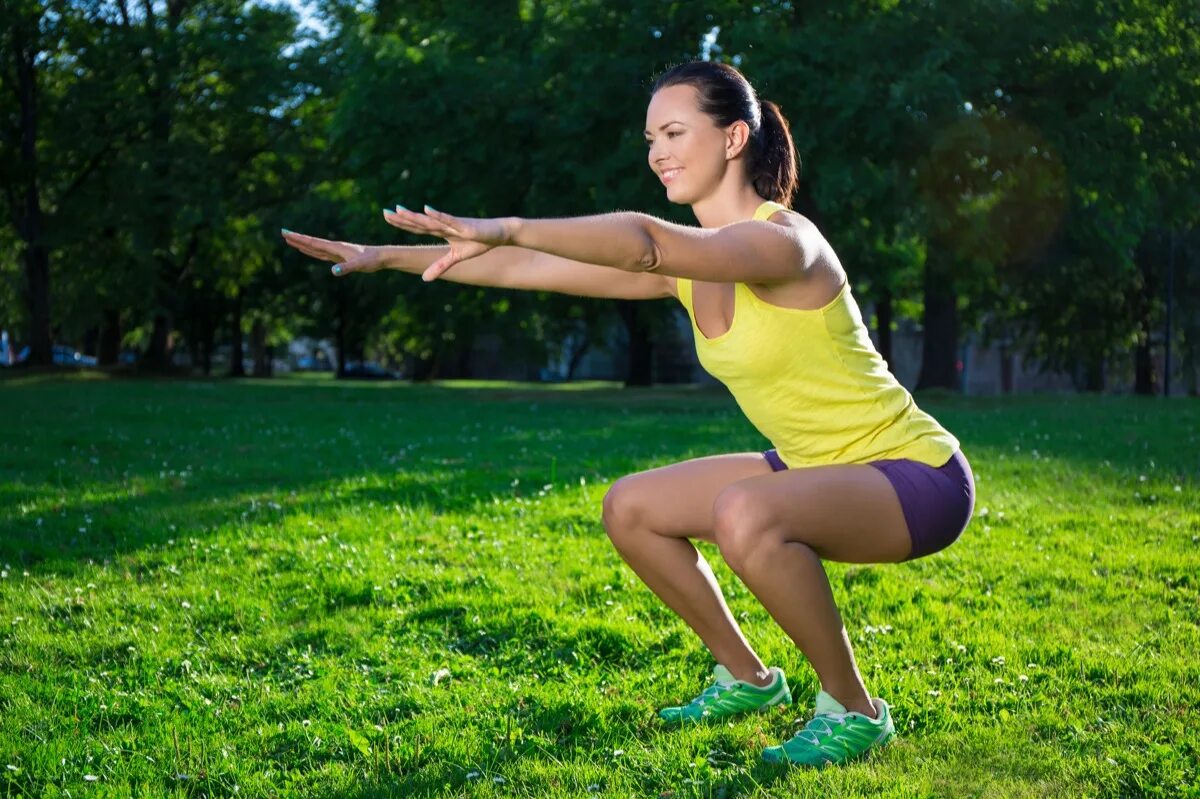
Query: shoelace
[(812, 734)]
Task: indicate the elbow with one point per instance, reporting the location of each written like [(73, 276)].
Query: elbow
[(650, 257), (650, 260)]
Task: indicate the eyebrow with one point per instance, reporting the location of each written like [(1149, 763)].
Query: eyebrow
[(660, 127)]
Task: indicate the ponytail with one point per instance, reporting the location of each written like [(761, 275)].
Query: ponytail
[(775, 165)]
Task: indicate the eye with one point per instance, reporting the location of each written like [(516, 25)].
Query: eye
[(670, 135)]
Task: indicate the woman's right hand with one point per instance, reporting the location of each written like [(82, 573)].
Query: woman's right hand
[(347, 256)]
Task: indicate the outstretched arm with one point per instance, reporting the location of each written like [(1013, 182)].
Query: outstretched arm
[(753, 251), (503, 267), (512, 267), (743, 252)]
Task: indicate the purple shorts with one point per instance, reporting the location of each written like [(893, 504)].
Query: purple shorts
[(937, 501)]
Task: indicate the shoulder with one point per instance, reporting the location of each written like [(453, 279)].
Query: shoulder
[(797, 227), (791, 219), (820, 259)]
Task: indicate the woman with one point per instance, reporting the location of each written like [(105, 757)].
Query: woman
[(858, 473)]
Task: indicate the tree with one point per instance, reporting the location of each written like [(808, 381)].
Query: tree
[(44, 159)]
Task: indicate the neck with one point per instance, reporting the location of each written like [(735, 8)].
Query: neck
[(728, 206)]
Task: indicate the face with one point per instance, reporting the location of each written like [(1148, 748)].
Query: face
[(688, 152)]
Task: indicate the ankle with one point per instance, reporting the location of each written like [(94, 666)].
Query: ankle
[(867, 709), (856, 702), (760, 678)]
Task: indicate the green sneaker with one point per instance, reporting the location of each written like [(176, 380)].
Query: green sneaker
[(834, 735), (728, 696)]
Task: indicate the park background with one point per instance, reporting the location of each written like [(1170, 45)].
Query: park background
[(291, 584), (1012, 186)]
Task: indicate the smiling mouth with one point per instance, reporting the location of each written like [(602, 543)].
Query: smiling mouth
[(669, 175)]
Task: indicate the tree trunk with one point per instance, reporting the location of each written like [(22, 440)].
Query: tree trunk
[(205, 337), (883, 326), (198, 320), (158, 357), (161, 211), (341, 336), (421, 369), (1006, 371), (27, 207), (641, 347), (1188, 304), (939, 348), (259, 350), (1145, 380), (109, 349), (37, 273), (1093, 375), (236, 351), (1188, 362), (91, 338)]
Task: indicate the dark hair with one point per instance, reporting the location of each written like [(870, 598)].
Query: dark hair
[(726, 96)]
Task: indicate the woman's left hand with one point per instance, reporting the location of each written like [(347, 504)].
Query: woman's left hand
[(467, 237)]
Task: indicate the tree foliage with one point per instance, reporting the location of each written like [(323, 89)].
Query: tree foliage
[(1022, 170)]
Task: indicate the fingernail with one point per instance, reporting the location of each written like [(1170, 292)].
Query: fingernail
[(285, 230), (337, 270), (400, 207), (429, 207)]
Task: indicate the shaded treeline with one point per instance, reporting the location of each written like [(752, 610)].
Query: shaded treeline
[(1025, 170)]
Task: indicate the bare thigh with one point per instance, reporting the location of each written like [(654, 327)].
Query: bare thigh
[(847, 513), (677, 500)]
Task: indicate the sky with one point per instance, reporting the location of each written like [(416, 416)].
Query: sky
[(305, 8)]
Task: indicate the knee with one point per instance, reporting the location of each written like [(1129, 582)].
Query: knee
[(623, 509), (740, 528)]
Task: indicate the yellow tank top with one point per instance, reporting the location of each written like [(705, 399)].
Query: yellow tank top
[(812, 382)]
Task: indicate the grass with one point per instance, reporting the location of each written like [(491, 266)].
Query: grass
[(300, 588)]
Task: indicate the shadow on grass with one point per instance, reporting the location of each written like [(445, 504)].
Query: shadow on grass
[(98, 461), (514, 637), (127, 522), (98, 468)]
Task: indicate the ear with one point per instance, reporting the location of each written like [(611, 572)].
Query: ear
[(737, 137)]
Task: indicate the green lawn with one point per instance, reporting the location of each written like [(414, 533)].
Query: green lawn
[(300, 588)]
